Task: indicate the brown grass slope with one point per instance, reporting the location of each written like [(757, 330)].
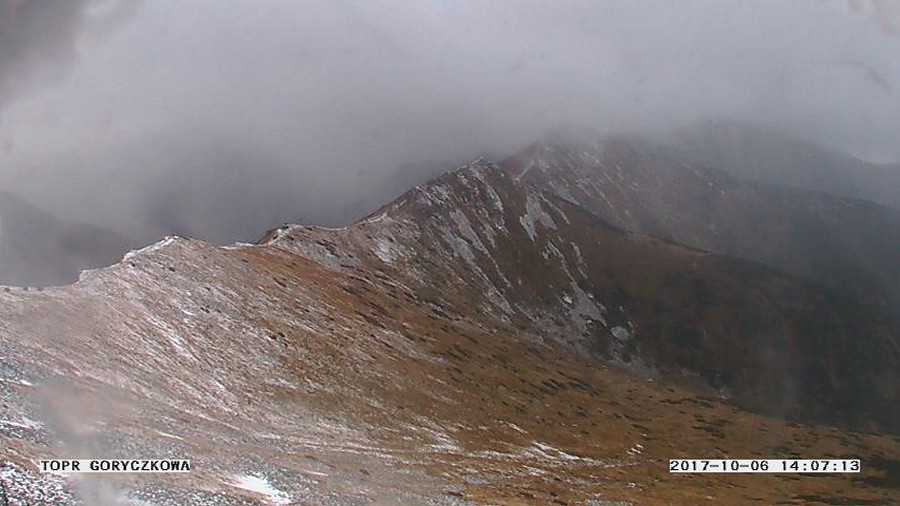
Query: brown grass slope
[(448, 347), (777, 344)]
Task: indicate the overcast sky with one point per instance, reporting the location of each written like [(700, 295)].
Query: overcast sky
[(216, 118)]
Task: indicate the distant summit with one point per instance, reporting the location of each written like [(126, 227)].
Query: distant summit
[(849, 244), (760, 154)]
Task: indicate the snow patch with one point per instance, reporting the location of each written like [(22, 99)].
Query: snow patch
[(23, 382), (558, 211), (516, 428), (26, 423), (170, 436), (534, 213), (465, 227), (546, 451), (460, 247), (260, 486), (385, 250), (151, 248), (377, 218), (239, 246), (495, 199)]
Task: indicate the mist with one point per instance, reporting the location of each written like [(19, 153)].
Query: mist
[(221, 119), (79, 420)]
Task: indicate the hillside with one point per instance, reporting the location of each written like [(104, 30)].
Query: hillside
[(759, 154), (851, 245), (548, 267), (477, 341)]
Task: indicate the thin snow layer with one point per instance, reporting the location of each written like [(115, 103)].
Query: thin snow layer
[(542, 452), (131, 256), (465, 227), (21, 488), (261, 486), (585, 309), (490, 218), (151, 248), (240, 245), (437, 194), (239, 347), (534, 214), (461, 248), (492, 194), (318, 244), (547, 451), (384, 250), (376, 218), (579, 260), (175, 337), (562, 191)]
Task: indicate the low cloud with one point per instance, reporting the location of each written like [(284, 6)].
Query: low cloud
[(39, 39), (221, 119)]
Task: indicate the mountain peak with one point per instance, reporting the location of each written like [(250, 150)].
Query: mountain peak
[(493, 322), (562, 252)]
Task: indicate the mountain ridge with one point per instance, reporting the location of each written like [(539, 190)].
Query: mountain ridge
[(761, 154), (467, 242), (850, 244), (476, 341)]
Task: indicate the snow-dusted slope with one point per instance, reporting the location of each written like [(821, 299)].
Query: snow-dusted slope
[(849, 244), (482, 241), (452, 348)]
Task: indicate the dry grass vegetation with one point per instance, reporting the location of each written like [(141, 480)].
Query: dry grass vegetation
[(455, 345)]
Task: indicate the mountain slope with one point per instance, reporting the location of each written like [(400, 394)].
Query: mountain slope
[(849, 244), (507, 251), (755, 153), (446, 350)]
